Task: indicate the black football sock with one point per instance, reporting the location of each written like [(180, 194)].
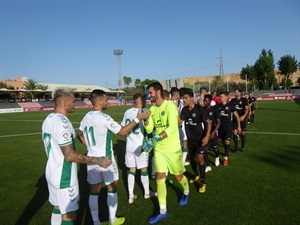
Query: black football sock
[(194, 166), (202, 174), (206, 158), (217, 152), (243, 137), (227, 150), (235, 139)]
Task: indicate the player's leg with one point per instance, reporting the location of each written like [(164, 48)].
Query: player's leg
[(141, 160), (214, 145), (93, 202), (193, 161), (226, 143), (207, 164), (243, 134), (176, 167), (69, 218), (235, 136), (161, 170), (56, 216), (68, 204), (184, 143), (249, 116), (94, 178), (131, 164), (110, 177), (201, 161)]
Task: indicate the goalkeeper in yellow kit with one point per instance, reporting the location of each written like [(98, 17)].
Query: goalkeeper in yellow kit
[(168, 154)]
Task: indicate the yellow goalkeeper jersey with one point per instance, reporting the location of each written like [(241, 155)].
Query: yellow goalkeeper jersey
[(165, 118)]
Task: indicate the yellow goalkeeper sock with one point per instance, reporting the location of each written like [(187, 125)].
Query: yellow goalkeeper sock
[(161, 191)]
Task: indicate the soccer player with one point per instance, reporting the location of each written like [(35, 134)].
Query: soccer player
[(61, 170), (135, 158), (168, 154), (214, 117), (249, 113), (95, 132), (241, 105), (197, 126), (203, 91), (252, 102), (226, 109), (176, 99)]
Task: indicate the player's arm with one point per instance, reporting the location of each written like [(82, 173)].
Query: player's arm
[(72, 156), (242, 118), (236, 115), (207, 135), (149, 124), (218, 122), (80, 137), (181, 118), (140, 116)]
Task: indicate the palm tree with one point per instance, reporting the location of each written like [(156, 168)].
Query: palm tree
[(30, 84), (127, 80)]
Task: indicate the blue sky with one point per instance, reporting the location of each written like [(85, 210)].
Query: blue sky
[(72, 42)]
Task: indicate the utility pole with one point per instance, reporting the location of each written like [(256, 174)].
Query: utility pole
[(119, 53), (221, 71)]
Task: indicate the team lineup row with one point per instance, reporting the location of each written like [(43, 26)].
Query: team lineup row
[(170, 129)]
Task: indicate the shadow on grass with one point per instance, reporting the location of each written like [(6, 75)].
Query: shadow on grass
[(279, 109), (297, 100), (284, 157), (37, 201)]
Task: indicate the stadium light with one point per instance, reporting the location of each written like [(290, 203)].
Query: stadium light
[(119, 53)]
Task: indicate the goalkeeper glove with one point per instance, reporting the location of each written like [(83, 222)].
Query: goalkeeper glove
[(149, 143)]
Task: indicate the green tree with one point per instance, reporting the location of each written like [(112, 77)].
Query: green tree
[(127, 80), (287, 65), (137, 82), (250, 72), (264, 70)]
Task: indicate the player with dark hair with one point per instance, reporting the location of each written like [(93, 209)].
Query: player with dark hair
[(61, 170), (252, 102), (135, 157), (194, 117), (213, 115), (95, 132), (241, 105), (226, 109), (176, 99), (168, 154)]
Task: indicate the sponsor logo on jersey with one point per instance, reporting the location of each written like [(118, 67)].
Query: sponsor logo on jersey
[(222, 113), (163, 113), (66, 136), (113, 125)]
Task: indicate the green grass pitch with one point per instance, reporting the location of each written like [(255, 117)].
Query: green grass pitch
[(260, 185)]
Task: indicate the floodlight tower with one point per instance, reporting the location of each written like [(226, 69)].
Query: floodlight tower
[(221, 71), (119, 53)]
